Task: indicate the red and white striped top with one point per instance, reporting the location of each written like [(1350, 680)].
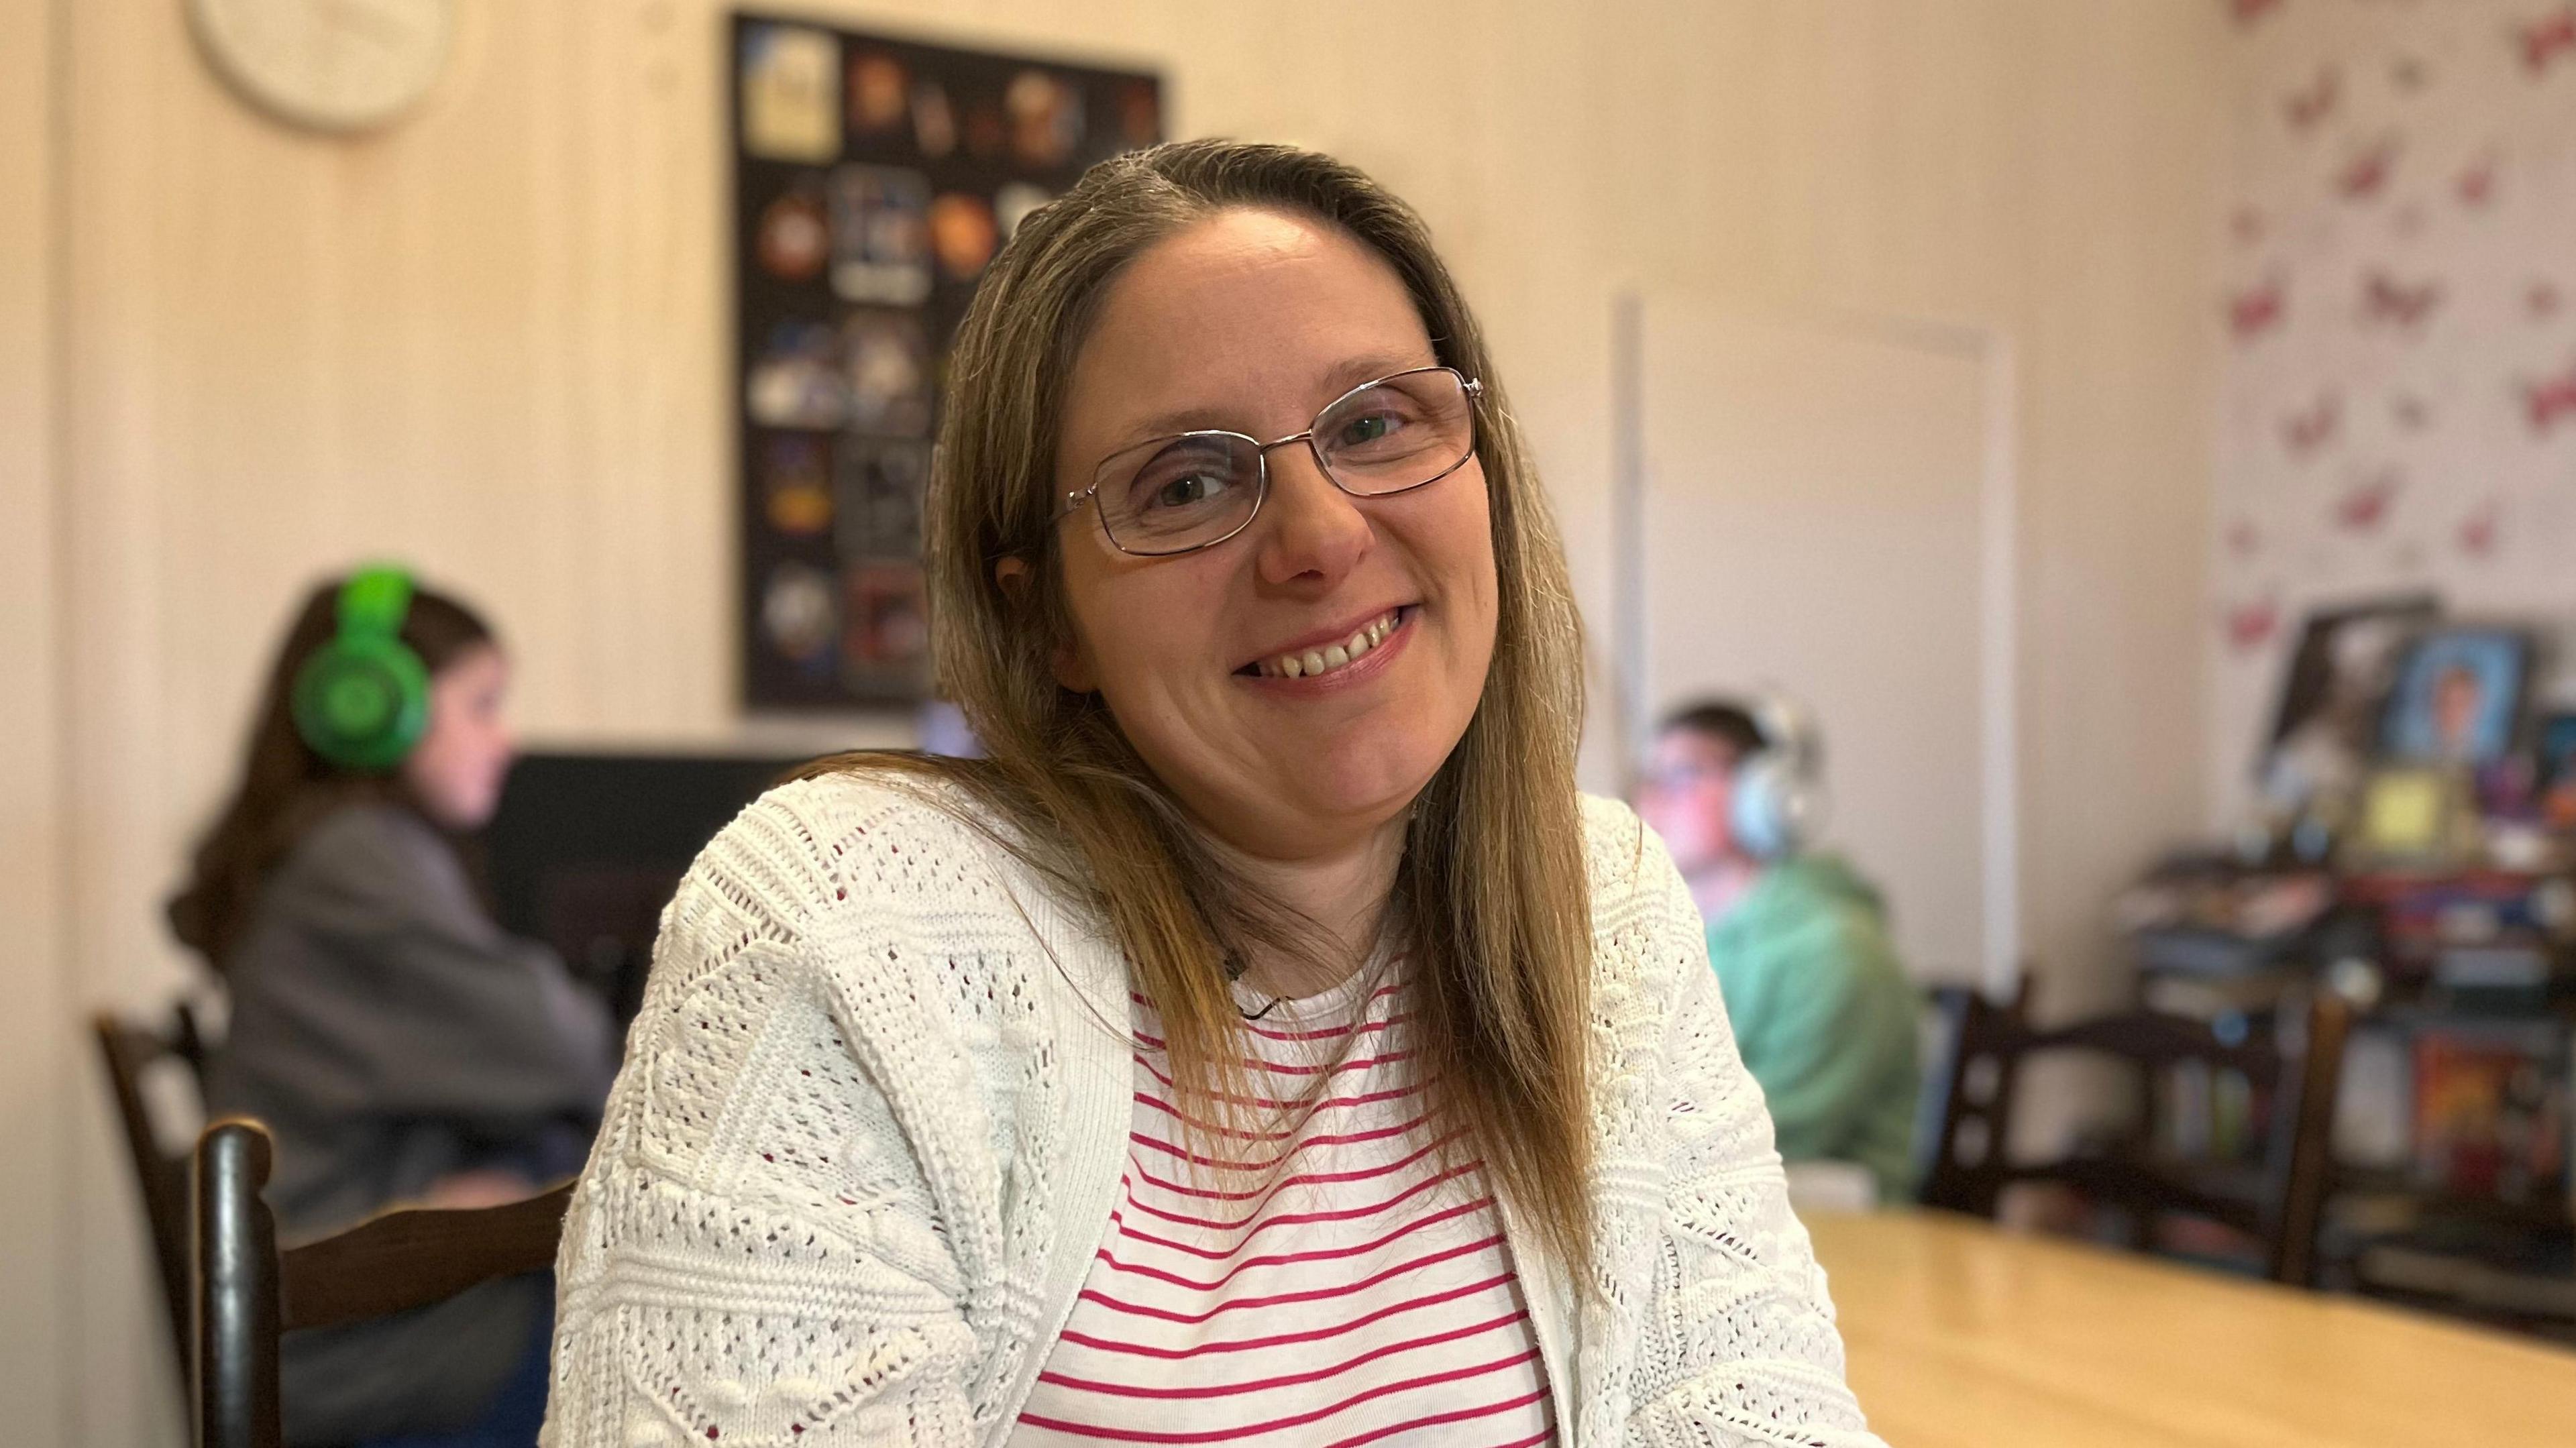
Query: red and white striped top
[(1333, 1283)]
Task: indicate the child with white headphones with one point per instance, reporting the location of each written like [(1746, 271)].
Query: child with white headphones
[(1823, 1012)]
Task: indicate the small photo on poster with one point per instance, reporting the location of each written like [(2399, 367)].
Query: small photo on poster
[(799, 618), (1013, 203), (889, 372), (879, 93), (881, 235), (934, 120), (962, 234), (882, 484), (986, 131), (791, 93), (796, 484), (794, 239), (796, 380), (887, 629), (1046, 118)]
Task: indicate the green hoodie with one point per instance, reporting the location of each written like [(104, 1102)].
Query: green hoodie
[(1824, 1016)]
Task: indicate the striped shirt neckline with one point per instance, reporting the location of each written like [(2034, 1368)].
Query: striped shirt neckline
[(1331, 1277)]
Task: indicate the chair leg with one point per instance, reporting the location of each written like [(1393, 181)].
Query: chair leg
[(2308, 1178)]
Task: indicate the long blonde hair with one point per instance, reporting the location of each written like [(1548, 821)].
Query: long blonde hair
[(1490, 904)]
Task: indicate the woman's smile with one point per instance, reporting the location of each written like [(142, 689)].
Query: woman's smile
[(1335, 657)]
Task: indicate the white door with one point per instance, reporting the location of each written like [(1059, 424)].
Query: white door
[(1822, 507)]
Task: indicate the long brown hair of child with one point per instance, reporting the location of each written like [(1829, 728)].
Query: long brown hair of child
[(286, 788)]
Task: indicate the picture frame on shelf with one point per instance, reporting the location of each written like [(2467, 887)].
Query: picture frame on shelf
[(2554, 757), (2417, 816), (2326, 723), (2458, 697)]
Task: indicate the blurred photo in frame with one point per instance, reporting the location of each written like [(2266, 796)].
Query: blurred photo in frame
[(2458, 697)]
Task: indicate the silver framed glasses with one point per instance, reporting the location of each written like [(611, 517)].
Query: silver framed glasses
[(1195, 490)]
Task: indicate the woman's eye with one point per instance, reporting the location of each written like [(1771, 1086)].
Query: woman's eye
[(1184, 491), (1374, 427), (1180, 482)]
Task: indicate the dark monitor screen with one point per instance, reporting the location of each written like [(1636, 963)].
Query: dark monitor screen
[(586, 849)]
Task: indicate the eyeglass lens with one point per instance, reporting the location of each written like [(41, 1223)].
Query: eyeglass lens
[(1185, 492)]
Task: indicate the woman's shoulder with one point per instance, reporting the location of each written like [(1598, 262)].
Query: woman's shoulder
[(1643, 920), (866, 835), (825, 814), (1622, 855)]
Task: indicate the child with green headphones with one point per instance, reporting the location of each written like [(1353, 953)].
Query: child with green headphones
[(398, 1043)]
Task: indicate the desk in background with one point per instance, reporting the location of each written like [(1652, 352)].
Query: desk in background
[(586, 849), (1964, 1336)]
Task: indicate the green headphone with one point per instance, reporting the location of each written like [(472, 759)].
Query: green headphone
[(362, 700)]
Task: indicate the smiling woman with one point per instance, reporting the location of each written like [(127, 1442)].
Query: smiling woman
[(1265, 1043)]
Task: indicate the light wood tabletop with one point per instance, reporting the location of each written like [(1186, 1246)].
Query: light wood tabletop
[(1961, 1334)]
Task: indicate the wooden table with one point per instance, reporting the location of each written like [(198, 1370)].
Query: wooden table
[(1960, 1334)]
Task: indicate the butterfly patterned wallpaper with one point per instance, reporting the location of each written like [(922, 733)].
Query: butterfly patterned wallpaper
[(2398, 405)]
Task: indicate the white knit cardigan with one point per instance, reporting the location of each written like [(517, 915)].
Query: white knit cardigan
[(872, 1116)]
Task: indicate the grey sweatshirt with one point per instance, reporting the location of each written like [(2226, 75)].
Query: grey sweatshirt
[(388, 1032)]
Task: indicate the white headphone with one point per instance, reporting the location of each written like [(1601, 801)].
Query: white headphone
[(1779, 801)]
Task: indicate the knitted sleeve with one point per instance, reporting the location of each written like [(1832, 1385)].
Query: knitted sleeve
[(764, 1247), (1738, 1343)]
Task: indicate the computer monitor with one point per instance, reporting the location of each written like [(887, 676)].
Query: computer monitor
[(586, 849)]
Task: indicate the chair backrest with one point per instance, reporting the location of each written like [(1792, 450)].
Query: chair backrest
[(246, 1293), (1959, 1131), (130, 1052), (1967, 1166)]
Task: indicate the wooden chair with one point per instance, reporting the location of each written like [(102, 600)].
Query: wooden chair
[(2280, 1205), (247, 1293), (129, 1052)]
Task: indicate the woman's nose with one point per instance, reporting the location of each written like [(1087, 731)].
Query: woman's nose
[(1311, 529)]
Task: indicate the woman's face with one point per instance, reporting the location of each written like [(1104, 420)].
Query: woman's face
[(457, 768), (1251, 322)]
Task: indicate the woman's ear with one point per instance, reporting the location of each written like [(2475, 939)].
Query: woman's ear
[(1015, 578), (1011, 575)]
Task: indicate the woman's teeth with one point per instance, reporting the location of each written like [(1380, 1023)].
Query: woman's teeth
[(1332, 656)]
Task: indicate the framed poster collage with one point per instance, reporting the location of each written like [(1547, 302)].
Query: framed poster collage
[(874, 179)]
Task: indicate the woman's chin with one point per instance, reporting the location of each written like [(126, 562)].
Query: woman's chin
[(1370, 788)]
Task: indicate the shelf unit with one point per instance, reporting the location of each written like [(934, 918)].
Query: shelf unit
[(2502, 1258)]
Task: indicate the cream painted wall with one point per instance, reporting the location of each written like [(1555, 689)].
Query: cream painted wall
[(493, 339), (37, 1081)]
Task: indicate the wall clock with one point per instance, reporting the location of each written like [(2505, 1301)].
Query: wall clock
[(327, 65)]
